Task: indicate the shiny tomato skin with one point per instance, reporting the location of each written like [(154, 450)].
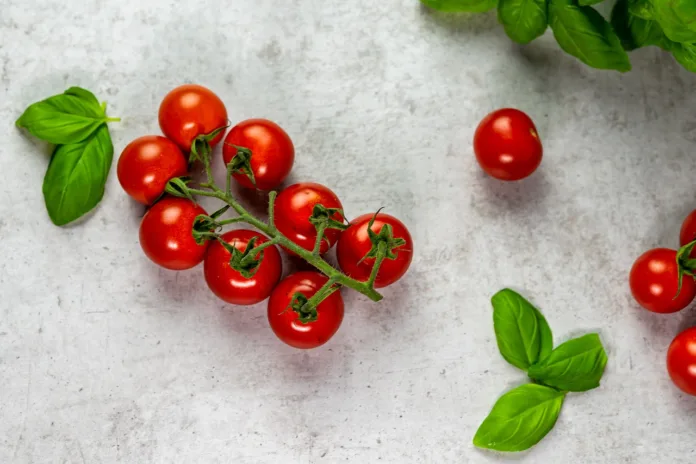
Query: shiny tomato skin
[(293, 208), (272, 152), (654, 282), (284, 321), (507, 145), (231, 286), (166, 234), (189, 111), (147, 164), (355, 243), (681, 361), (687, 234)]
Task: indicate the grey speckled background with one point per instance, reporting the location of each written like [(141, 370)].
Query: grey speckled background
[(105, 358)]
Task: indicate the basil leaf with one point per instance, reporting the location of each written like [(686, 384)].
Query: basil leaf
[(522, 333), (523, 20), (677, 18), (685, 54), (641, 8), (65, 118), (76, 176), (589, 2), (635, 32), (582, 32), (520, 418), (577, 365), (469, 6)]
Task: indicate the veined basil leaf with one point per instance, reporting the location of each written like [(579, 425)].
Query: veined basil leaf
[(520, 419), (522, 333), (523, 20), (677, 18), (634, 31), (685, 54), (63, 119), (576, 365), (582, 32), (469, 6), (76, 176)]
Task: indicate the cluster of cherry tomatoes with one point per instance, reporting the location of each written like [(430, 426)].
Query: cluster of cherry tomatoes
[(264, 155), (662, 281)]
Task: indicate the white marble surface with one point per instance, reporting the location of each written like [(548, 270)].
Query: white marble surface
[(104, 358)]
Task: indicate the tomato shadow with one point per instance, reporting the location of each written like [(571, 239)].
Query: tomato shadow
[(518, 197)]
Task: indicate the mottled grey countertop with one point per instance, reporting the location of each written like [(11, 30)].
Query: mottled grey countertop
[(105, 358)]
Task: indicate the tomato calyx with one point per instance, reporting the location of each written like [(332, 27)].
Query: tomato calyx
[(245, 262), (201, 146), (178, 187), (205, 227), (306, 312), (383, 245), (322, 218), (241, 163), (686, 264)]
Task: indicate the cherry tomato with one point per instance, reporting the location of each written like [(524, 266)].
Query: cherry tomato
[(189, 111), (166, 234), (293, 208), (355, 243), (681, 361), (507, 145), (284, 321), (272, 152), (688, 229), (231, 286), (147, 164), (654, 282)]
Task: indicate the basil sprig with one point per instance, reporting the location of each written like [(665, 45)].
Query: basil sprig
[(522, 417), (75, 123)]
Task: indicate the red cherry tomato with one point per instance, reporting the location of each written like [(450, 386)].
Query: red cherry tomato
[(681, 361), (272, 152), (189, 111), (231, 286), (147, 164), (507, 145), (293, 208), (284, 321), (166, 234), (654, 282), (355, 243), (688, 229)]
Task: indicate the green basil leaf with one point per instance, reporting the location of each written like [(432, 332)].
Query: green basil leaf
[(469, 6), (634, 31), (641, 8), (582, 32), (522, 333), (65, 118), (677, 18), (76, 176), (577, 365), (523, 20), (685, 54), (520, 419), (589, 2)]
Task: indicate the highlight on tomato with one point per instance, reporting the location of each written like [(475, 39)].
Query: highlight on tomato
[(261, 152), (189, 111), (229, 284), (166, 234), (285, 321), (147, 164)]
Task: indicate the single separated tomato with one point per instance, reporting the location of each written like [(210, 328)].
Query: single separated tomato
[(654, 281), (294, 207), (166, 234), (285, 322), (507, 145), (147, 164), (355, 243), (230, 285), (272, 153), (681, 361), (189, 111), (688, 229)]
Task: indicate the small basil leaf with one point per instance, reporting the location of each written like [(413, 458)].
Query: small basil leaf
[(577, 365), (76, 176), (469, 6), (521, 331), (520, 419), (589, 2), (677, 18), (641, 8), (523, 20), (634, 31), (685, 54), (63, 119), (582, 32)]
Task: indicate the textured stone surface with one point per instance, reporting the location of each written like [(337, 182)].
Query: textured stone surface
[(105, 358)]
